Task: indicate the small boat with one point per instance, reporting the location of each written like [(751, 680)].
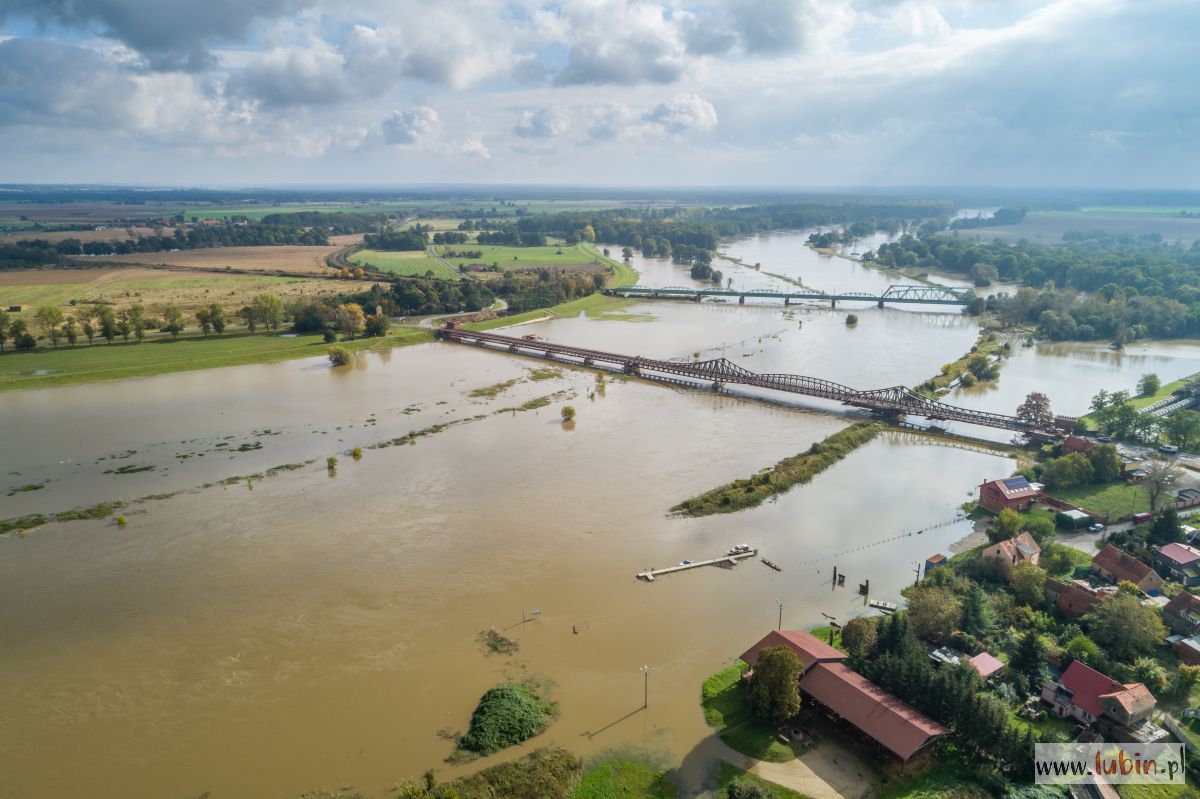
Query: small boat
[(772, 564), (879, 604), (740, 549)]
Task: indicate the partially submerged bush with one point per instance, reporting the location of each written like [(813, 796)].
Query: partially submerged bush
[(506, 716), (339, 356)]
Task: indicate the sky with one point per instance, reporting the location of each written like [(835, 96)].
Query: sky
[(786, 93)]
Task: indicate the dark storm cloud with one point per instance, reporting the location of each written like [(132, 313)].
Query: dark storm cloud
[(73, 87), (169, 34)]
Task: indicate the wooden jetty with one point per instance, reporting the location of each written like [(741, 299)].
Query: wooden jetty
[(724, 560), (879, 604), (772, 564)]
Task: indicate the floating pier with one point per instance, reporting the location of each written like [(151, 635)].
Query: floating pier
[(724, 560), (879, 604)]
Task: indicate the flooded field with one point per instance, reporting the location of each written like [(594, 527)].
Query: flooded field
[(309, 630)]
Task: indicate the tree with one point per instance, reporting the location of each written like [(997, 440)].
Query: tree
[(173, 320), (350, 319), (933, 612), (269, 310), (1150, 673), (1149, 385), (124, 325), (1161, 476), (50, 318), (1069, 471), (5, 321), (626, 254), (249, 316), (1084, 649), (89, 329), (137, 320), (775, 686), (1182, 428), (977, 613), (858, 636), (1036, 409), (568, 413), (1040, 527), (1028, 657), (340, 356), (1007, 524), (108, 323), (70, 329), (377, 325), (216, 317), (1166, 529), (204, 317), (1106, 463), (1125, 627), (1029, 582)]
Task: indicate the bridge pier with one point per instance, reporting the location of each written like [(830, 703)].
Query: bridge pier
[(833, 303), (787, 301), (512, 347), (630, 368), (698, 297), (718, 385), (881, 303), (588, 362), (741, 299)]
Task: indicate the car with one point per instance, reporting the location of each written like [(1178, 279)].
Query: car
[(1096, 528), (1168, 449), (1104, 439)]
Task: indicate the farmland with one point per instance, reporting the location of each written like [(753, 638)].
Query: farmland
[(514, 258), (414, 263), (111, 234), (1048, 227), (278, 258), (154, 288)]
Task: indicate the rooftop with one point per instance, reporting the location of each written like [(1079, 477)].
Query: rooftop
[(810, 649)]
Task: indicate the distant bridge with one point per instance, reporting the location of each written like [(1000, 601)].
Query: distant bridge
[(915, 295), (895, 401)]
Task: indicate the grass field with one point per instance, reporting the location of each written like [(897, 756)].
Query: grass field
[(283, 257), (621, 776), (525, 257), (1115, 500), (1139, 210), (112, 234), (154, 288), (117, 361), (414, 263), (725, 710), (1048, 227)]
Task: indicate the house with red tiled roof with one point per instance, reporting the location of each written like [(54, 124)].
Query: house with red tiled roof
[(1182, 614), (1011, 551), (1076, 444), (1121, 712), (810, 649), (1118, 566), (1178, 562), (986, 664), (1072, 599), (844, 693), (1015, 493)]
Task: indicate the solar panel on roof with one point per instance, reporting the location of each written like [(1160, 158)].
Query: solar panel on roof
[(1016, 483)]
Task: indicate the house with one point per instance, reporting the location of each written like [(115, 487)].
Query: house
[(986, 664), (883, 718), (852, 698), (1014, 493), (1182, 614), (1179, 562), (1072, 599), (933, 561), (1186, 649), (1120, 712), (810, 649), (1073, 444), (1118, 566), (1011, 551)]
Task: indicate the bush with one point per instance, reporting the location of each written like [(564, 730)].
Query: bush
[(331, 462), (330, 336), (744, 788), (506, 716), (568, 413), (851, 319), (339, 356)]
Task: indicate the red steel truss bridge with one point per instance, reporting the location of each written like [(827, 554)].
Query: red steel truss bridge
[(894, 401)]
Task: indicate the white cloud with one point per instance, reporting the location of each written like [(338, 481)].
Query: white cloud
[(684, 113), (408, 127), (474, 148), (542, 123)]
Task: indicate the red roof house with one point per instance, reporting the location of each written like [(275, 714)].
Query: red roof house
[(1118, 566), (1084, 694), (1011, 551), (1182, 613), (1072, 599), (810, 649), (882, 717), (986, 664), (1076, 444), (1010, 492)]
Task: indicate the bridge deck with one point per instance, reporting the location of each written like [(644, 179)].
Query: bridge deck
[(896, 400), (724, 560), (921, 294)]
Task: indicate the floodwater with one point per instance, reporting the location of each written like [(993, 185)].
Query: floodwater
[(310, 630)]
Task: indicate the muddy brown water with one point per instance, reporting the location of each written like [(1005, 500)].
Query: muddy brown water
[(318, 631)]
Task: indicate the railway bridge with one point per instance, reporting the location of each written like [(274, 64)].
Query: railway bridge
[(893, 401), (915, 295)]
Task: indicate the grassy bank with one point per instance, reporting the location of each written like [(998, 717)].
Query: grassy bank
[(988, 344), (802, 468), (624, 776), (724, 702), (83, 364)]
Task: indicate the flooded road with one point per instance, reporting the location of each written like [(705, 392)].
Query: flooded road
[(311, 630)]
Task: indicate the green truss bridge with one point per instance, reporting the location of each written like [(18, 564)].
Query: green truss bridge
[(913, 295)]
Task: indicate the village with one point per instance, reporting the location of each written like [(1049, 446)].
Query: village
[(1064, 625)]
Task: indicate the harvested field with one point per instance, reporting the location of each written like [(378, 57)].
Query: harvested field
[(154, 288), (286, 258), (1048, 227), (346, 239), (112, 234)]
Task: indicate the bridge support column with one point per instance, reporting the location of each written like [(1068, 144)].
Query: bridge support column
[(833, 303), (881, 303), (741, 299), (699, 297), (588, 362), (512, 347), (630, 368), (787, 301), (718, 385)]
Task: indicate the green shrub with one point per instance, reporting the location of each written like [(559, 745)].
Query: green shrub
[(506, 716), (339, 356), (851, 319)]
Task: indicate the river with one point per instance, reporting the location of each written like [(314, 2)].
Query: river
[(311, 630)]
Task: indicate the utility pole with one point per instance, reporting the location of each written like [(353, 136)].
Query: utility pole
[(833, 625), (780, 604), (646, 685), (917, 570)]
